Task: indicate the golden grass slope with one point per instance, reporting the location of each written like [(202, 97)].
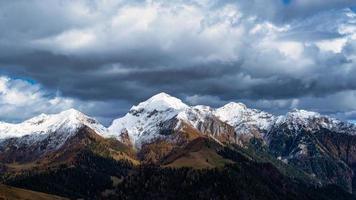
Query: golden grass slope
[(199, 153)]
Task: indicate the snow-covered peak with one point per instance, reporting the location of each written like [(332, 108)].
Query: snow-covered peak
[(302, 119), (231, 110), (234, 105), (70, 115), (245, 120), (143, 121), (37, 119), (302, 114), (297, 117), (160, 102), (73, 112), (66, 122)]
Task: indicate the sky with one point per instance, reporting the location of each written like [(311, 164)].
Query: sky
[(103, 56)]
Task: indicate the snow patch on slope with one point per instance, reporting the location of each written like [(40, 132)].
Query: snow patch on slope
[(195, 115)]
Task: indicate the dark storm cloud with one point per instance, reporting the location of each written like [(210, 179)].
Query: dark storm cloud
[(267, 54)]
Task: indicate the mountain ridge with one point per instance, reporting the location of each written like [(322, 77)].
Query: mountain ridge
[(246, 121), (162, 108), (166, 132)]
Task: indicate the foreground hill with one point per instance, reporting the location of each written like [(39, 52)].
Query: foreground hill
[(96, 177), (12, 193)]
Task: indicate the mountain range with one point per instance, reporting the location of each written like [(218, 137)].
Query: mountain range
[(281, 155)]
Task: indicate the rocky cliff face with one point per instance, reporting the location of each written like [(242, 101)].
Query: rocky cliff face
[(319, 145)]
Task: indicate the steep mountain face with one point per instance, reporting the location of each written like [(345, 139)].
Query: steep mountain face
[(302, 126), (319, 145), (202, 118), (248, 123)]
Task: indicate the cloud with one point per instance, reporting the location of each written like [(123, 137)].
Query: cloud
[(270, 54), (20, 99), (204, 100)]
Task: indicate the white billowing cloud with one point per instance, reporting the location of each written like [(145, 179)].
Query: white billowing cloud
[(190, 32), (334, 45), (72, 40), (187, 31), (20, 99), (199, 32)]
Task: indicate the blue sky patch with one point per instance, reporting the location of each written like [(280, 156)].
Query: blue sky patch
[(353, 121), (353, 9), (286, 1)]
